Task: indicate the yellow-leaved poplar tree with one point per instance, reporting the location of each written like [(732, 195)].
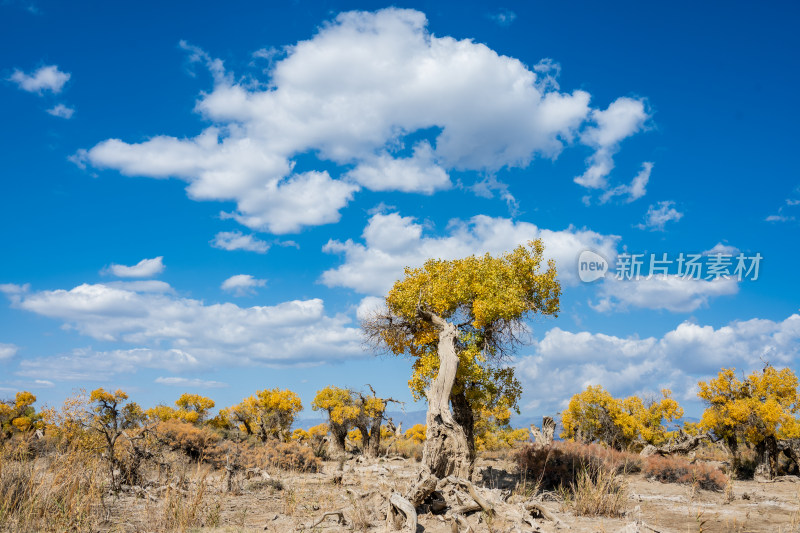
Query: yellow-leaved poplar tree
[(457, 319), (18, 415), (595, 416), (342, 410), (113, 417), (269, 413), (191, 408), (758, 409)]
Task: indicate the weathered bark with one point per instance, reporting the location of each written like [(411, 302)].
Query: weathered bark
[(373, 449), (464, 417), (447, 450), (791, 448), (766, 456), (544, 437), (336, 445), (683, 444), (401, 511)]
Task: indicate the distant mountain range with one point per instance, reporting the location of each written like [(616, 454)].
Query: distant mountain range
[(411, 418), (408, 419)]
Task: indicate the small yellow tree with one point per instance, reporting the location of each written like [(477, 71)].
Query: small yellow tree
[(18, 415), (191, 408), (595, 416), (113, 417), (757, 410), (343, 412), (369, 420), (269, 413)]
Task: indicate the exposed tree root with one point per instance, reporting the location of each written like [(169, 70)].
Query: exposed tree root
[(339, 520)]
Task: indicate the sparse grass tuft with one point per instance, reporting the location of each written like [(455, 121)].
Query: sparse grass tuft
[(598, 491)]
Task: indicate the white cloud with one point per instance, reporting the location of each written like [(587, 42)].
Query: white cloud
[(351, 95), (7, 351), (146, 268), (418, 173), (623, 117), (236, 240), (563, 363), (178, 334), (392, 242), (62, 111), (242, 284), (659, 214), (185, 382), (85, 364), (47, 78), (672, 293), (725, 249), (150, 285), (635, 190), (369, 305), (779, 218)]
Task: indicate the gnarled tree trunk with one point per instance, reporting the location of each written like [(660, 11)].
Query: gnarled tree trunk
[(544, 438), (447, 450), (336, 446), (373, 449)]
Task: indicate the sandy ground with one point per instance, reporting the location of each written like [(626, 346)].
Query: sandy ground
[(300, 500)]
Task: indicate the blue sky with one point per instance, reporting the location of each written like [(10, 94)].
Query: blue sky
[(205, 197)]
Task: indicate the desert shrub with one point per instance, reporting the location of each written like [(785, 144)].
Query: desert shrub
[(598, 491), (679, 470), (198, 443), (561, 464), (404, 447), (290, 456)]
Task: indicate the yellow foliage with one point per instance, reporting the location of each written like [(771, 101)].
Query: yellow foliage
[(339, 403), (594, 415), (318, 431), (269, 413), (417, 433), (493, 430), (354, 435), (489, 296), (300, 434), (19, 415), (193, 408), (161, 413), (763, 404)]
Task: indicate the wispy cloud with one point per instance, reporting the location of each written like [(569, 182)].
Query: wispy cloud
[(503, 17), (145, 268), (45, 79), (186, 382), (659, 215), (236, 240), (62, 111), (242, 284)]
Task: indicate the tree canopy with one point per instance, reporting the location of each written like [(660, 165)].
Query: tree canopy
[(480, 304), (623, 423)]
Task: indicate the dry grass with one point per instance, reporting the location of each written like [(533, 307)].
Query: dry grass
[(597, 492), (679, 470), (562, 463), (62, 492)]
